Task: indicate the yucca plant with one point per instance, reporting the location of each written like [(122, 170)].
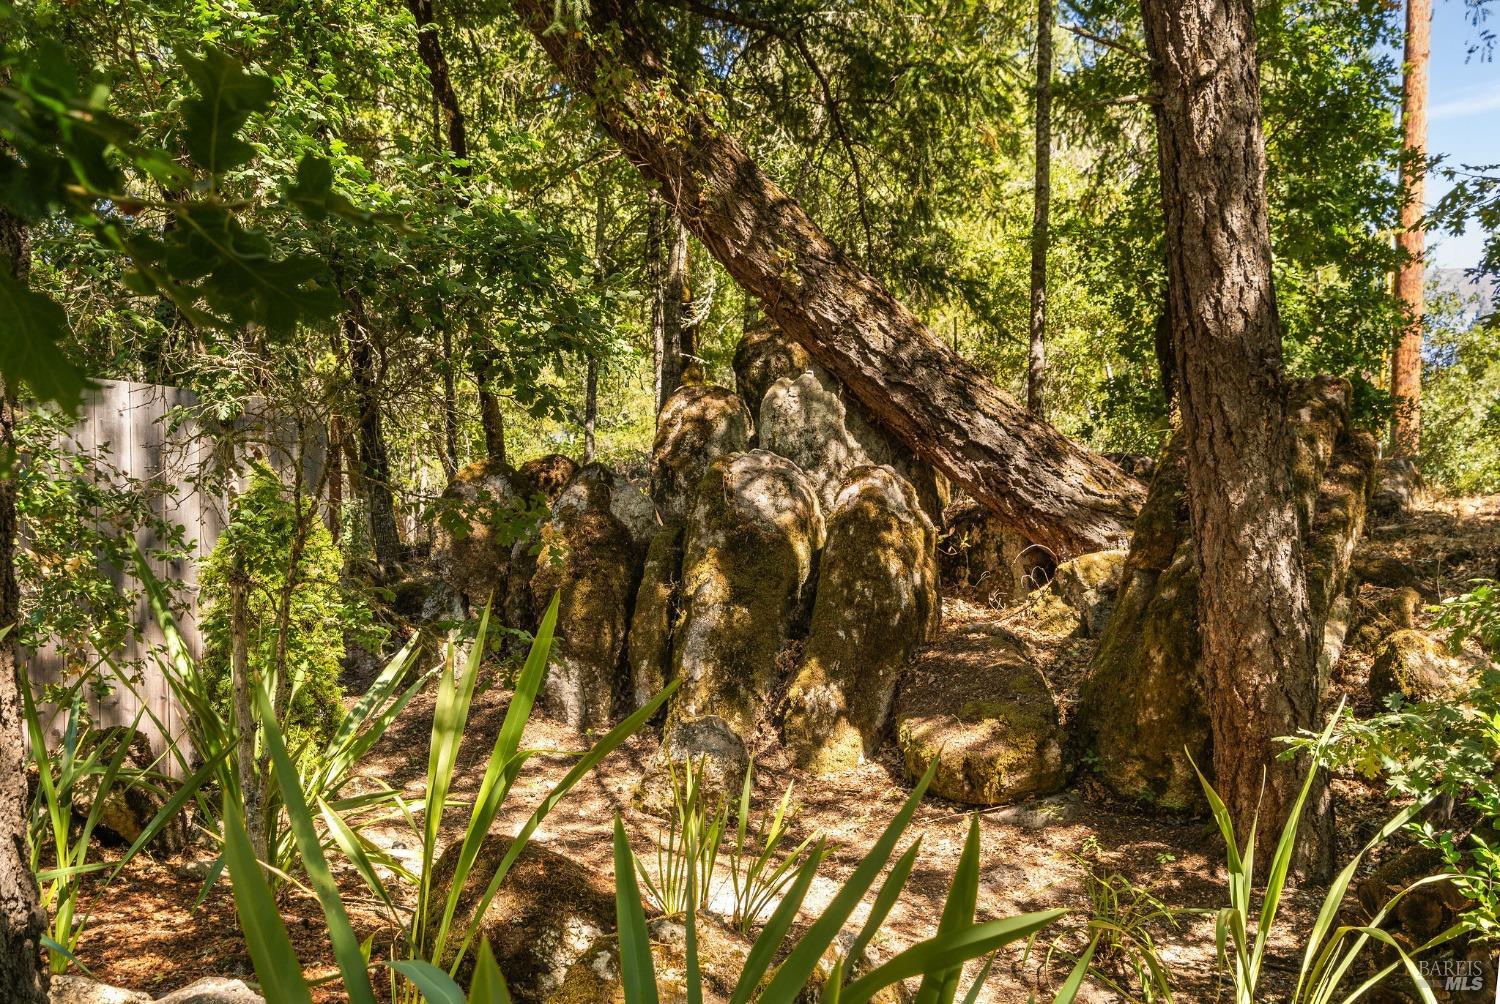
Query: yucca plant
[(776, 972), (758, 870), (1326, 972), (688, 847)]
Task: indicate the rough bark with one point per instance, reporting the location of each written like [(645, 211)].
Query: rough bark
[(335, 514), (942, 407), (1258, 652), (374, 459), (244, 715), (677, 342), (1036, 358), (1406, 360), (23, 976)]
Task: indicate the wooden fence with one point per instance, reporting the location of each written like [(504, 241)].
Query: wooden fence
[(148, 433)]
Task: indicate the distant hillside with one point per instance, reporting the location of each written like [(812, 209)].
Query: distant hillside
[(1478, 294)]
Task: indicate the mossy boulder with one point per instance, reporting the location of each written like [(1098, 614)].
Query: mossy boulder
[(1077, 601), (649, 644), (1142, 706), (983, 556), (766, 355), (548, 913), (763, 356), (1416, 667), (1399, 485), (877, 602), (978, 707), (748, 550), (803, 421), (1380, 612), (476, 519), (548, 474), (697, 424), (590, 558)]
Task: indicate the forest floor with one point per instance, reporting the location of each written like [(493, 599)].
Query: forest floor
[(145, 931)]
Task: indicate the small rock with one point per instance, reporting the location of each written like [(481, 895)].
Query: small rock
[(214, 990), (71, 989), (977, 706), (1398, 485), (1078, 600), (1040, 813), (1413, 665)]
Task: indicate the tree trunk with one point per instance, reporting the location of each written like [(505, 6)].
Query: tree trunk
[(335, 514), (23, 976), (1406, 360), (450, 409), (243, 706), (374, 459), (943, 408), (676, 298), (591, 378), (1255, 622), (1036, 360)]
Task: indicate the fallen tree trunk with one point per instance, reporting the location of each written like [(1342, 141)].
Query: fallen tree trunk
[(1056, 492)]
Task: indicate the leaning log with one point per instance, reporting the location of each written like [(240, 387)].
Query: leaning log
[(1056, 492)]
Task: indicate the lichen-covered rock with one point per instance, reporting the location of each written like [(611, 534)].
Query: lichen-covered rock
[(748, 551), (983, 556), (649, 644), (1143, 706), (765, 355), (1411, 664), (131, 803), (548, 474), (1078, 599), (73, 989), (801, 420), (1380, 612), (697, 425), (548, 912), (978, 707), (476, 521), (590, 559), (877, 601), (213, 990), (1399, 485)]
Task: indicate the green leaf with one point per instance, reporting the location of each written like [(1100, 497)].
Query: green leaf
[(637, 971), (228, 96), (436, 986), (270, 947), (29, 350)]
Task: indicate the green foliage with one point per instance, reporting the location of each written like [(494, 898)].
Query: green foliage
[(759, 870), (1461, 407), (67, 153), (1449, 749), (1123, 922), (300, 612), (1244, 928), (688, 847), (78, 513)]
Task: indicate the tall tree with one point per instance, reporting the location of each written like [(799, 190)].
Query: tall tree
[(1036, 358), (374, 455), (938, 404), (1255, 624), (1406, 360), (445, 98), (23, 977)]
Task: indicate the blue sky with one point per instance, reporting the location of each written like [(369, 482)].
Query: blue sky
[(1463, 115)]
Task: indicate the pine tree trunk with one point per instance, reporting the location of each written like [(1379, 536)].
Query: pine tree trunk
[(1036, 360), (1406, 360), (1255, 622), (1057, 493), (23, 975)]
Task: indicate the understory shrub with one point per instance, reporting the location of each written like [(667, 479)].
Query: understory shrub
[(299, 612)]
